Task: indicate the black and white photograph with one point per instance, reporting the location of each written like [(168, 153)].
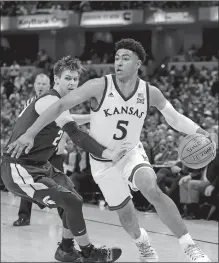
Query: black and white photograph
[(109, 131)]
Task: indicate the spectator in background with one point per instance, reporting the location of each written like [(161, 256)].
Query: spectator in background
[(191, 190), (42, 59), (9, 87), (166, 176), (14, 70), (19, 82)]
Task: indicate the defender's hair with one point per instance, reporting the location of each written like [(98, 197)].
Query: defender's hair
[(133, 45), (42, 75), (68, 63)]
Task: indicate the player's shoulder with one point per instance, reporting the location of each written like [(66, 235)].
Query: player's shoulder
[(97, 86), (98, 81), (153, 90), (48, 97), (150, 87)]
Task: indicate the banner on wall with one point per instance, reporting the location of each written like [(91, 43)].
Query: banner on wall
[(111, 18), (8, 23), (42, 21), (208, 14), (170, 17)]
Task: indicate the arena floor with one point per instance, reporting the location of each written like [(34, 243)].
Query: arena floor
[(37, 242)]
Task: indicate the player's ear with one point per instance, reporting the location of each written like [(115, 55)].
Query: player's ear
[(139, 63), (56, 79)]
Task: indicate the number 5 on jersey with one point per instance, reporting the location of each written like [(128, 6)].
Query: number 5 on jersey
[(123, 132)]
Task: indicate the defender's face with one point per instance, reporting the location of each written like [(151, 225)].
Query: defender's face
[(41, 85), (126, 63), (68, 81)]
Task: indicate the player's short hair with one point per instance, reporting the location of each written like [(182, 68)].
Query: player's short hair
[(68, 63), (133, 45), (42, 75)]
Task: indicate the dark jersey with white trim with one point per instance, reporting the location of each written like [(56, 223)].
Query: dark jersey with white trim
[(45, 141)]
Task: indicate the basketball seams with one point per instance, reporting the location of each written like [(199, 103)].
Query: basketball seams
[(198, 162), (199, 135), (202, 148), (194, 152)]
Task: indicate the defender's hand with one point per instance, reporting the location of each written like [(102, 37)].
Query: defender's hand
[(208, 190), (16, 147), (185, 179), (120, 151)]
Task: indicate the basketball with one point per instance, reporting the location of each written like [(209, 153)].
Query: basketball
[(196, 151)]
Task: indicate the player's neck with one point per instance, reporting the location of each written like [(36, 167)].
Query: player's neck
[(56, 87), (127, 84)]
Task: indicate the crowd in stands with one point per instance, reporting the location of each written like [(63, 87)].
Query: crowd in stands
[(188, 89), (13, 8), (205, 53)]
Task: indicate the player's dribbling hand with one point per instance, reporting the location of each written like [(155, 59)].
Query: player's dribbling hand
[(17, 147), (213, 137)]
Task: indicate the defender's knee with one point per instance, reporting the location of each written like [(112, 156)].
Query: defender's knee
[(70, 200)]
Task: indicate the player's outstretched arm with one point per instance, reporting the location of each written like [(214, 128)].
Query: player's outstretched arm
[(175, 119), (92, 88)]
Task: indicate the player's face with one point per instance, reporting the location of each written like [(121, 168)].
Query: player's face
[(41, 85), (67, 82), (126, 64)]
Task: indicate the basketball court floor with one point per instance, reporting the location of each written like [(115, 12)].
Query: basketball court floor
[(38, 242)]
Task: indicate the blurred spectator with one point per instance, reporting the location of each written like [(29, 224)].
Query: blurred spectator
[(19, 81), (14, 70), (42, 59), (9, 87), (192, 190)]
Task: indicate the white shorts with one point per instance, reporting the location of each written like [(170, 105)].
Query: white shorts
[(114, 179)]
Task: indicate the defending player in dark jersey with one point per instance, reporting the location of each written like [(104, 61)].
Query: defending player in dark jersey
[(32, 177), (66, 250)]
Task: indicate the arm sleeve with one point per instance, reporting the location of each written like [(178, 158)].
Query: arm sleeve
[(178, 121), (82, 139)]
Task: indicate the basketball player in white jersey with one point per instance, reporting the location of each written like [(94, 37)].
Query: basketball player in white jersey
[(119, 108)]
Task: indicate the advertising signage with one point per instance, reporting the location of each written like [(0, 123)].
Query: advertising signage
[(170, 17), (111, 18), (42, 21)]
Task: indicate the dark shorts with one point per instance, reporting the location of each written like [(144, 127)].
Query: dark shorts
[(38, 183)]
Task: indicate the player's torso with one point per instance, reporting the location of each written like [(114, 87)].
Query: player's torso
[(45, 141), (119, 119)]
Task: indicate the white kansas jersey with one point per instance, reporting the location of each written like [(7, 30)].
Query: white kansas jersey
[(119, 119)]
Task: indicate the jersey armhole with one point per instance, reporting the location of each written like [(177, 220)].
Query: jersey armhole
[(148, 96), (103, 97)]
